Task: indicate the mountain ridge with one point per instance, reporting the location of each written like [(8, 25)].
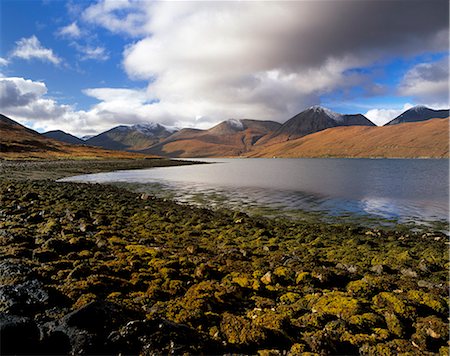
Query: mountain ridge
[(64, 137), (419, 113)]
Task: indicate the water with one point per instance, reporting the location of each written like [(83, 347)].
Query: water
[(403, 190)]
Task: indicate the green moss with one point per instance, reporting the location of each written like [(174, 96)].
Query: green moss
[(391, 302), (394, 325), (241, 331), (338, 304), (289, 298), (423, 298)]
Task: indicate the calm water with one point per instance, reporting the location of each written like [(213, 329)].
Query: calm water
[(400, 189)]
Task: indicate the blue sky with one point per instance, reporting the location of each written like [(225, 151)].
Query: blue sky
[(85, 67)]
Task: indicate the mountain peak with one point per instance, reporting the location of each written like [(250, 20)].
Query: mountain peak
[(321, 110), (419, 113), (419, 108)]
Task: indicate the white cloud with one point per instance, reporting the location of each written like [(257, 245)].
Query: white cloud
[(30, 48), (119, 16), (70, 31), (262, 60), (26, 101), (95, 53), (209, 61), (3, 62), (382, 116), (427, 82)]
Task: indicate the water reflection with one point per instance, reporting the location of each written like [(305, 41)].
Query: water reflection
[(406, 190)]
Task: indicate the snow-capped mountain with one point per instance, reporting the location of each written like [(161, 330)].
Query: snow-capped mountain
[(132, 138), (419, 113), (314, 119)]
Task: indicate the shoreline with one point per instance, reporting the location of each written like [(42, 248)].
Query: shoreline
[(97, 269)]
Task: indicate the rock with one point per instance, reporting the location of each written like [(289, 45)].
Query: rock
[(12, 272), (24, 298), (160, 336), (267, 278), (85, 329), (378, 269), (18, 335), (408, 272)]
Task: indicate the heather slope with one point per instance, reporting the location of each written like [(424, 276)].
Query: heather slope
[(229, 138), (131, 138), (419, 113), (311, 120), (19, 142), (408, 140), (64, 137)]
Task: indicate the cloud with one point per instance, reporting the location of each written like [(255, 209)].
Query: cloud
[(208, 61), (30, 48), (427, 81), (382, 116), (26, 101), (70, 31), (89, 52), (3, 62), (19, 92), (263, 60), (118, 16)]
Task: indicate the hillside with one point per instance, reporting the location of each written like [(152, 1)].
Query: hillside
[(64, 137), (19, 142), (407, 140), (312, 120), (131, 138), (229, 138), (419, 113)]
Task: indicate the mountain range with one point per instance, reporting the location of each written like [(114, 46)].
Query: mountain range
[(316, 131), (229, 138), (419, 113), (131, 138), (20, 142)]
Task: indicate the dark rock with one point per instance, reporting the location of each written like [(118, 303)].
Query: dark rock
[(18, 335), (27, 297), (160, 336), (12, 272), (86, 328)]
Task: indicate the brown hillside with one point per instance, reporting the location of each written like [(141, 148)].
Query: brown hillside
[(408, 140), (19, 142), (229, 138)]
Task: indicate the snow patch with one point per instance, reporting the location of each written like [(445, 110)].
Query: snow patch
[(418, 108), (331, 114), (151, 128), (236, 124)]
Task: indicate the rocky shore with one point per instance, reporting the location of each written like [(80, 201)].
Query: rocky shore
[(94, 269)]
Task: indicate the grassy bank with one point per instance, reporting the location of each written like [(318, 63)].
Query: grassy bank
[(97, 269)]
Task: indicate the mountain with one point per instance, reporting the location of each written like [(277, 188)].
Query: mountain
[(63, 137), (19, 142), (419, 113), (229, 138), (131, 138), (313, 119), (407, 140)]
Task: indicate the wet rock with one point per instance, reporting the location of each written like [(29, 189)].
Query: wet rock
[(13, 272), (160, 336), (18, 335), (86, 328), (27, 297)]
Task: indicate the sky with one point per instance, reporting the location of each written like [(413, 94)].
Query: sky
[(87, 66)]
